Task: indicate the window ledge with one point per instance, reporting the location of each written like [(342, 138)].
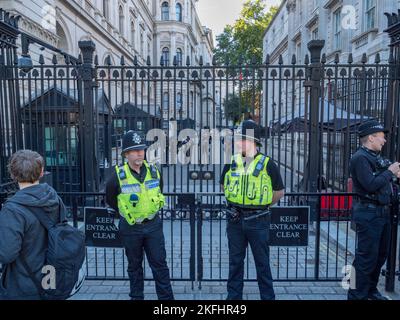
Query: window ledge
[(332, 54), (363, 38), (330, 3), (313, 20)]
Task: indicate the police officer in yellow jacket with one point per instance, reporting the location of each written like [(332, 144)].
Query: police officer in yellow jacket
[(251, 184), (135, 191)]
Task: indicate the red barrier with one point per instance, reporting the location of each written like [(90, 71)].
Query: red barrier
[(337, 206)]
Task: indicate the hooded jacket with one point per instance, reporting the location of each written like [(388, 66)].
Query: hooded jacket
[(22, 235)]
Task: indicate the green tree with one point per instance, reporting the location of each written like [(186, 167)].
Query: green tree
[(243, 42), (226, 49), (234, 108), (238, 108), (244, 39)]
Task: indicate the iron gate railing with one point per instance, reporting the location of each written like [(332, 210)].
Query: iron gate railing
[(74, 111), (196, 242)]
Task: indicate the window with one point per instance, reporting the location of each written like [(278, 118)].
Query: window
[(178, 9), (315, 34), (179, 101), (67, 146), (148, 49), (63, 42), (133, 33), (141, 44), (119, 125), (165, 11), (106, 9), (337, 29), (165, 102), (121, 20), (179, 57), (165, 56), (140, 125), (298, 51), (370, 12)]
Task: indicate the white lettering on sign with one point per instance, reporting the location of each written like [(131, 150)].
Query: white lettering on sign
[(289, 219), (100, 227), (103, 235), (288, 234), (299, 226), (104, 220)]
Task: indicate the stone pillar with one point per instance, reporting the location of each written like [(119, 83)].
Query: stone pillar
[(172, 11), (173, 47), (158, 49), (291, 8)]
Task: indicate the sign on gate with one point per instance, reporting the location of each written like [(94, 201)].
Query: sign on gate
[(289, 226), (100, 229)]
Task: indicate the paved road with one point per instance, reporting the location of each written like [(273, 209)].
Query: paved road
[(287, 265), (119, 290)]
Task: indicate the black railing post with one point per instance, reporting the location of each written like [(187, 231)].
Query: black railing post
[(11, 138), (89, 165), (199, 215), (315, 47), (192, 208), (75, 211), (313, 166), (392, 121), (390, 272)]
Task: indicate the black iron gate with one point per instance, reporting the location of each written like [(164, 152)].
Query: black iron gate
[(75, 110)]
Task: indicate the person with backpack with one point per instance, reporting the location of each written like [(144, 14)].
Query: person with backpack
[(40, 253)]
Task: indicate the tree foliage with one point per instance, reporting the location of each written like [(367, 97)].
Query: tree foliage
[(243, 41), (242, 44)]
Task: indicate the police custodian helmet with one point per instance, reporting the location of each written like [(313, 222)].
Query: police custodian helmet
[(133, 141), (249, 130)]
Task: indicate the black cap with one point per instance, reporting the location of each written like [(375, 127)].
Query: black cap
[(133, 141), (370, 127), (249, 130)]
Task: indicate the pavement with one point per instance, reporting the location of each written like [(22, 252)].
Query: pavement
[(294, 269), (119, 290)]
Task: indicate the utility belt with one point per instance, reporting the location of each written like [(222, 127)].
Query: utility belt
[(143, 221), (235, 213), (369, 201), (378, 211), (381, 210)]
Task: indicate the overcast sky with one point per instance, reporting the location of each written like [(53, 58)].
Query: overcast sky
[(216, 14)]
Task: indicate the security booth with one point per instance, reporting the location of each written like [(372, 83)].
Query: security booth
[(131, 117), (186, 123), (51, 126)]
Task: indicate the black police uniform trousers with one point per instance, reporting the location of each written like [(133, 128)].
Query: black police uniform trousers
[(256, 233), (147, 237), (373, 238)]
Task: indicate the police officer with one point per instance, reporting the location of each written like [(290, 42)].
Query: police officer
[(135, 191), (372, 182), (251, 184)]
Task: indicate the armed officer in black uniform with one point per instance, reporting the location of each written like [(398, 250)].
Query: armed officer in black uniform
[(372, 181)]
